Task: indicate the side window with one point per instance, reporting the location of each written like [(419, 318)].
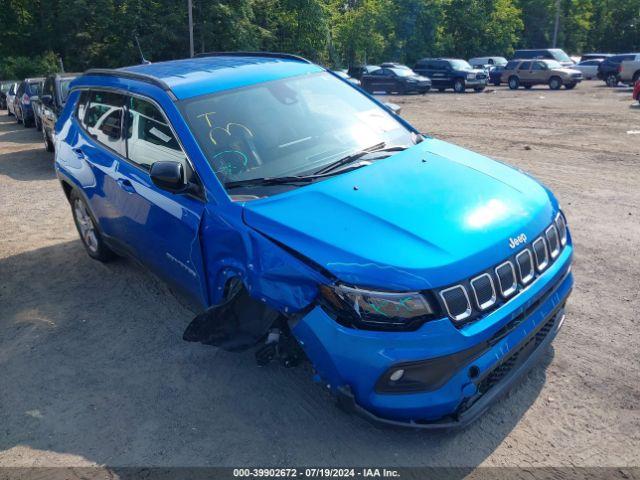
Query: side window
[(149, 137), (379, 72), (538, 66), (511, 65), (103, 117), (20, 90), (524, 66)]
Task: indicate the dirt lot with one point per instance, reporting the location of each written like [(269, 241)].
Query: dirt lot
[(93, 369)]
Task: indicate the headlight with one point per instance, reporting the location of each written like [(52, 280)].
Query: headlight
[(378, 310), (471, 76)]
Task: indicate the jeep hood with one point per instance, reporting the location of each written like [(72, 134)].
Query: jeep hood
[(422, 218)]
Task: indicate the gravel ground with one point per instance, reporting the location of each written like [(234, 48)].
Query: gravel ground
[(93, 369)]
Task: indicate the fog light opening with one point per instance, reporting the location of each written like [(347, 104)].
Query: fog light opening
[(397, 375), (474, 372)]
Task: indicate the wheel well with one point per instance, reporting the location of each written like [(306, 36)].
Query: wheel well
[(66, 187)]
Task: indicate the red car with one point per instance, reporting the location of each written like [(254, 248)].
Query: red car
[(636, 91)]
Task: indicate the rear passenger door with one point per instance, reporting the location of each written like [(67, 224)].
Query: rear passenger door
[(440, 76)]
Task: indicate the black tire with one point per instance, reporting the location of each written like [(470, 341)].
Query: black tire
[(570, 86), (555, 83), (425, 90), (478, 89), (48, 144), (459, 86), (87, 229), (440, 89), (496, 83), (636, 77), (612, 80), (514, 82), (528, 86)]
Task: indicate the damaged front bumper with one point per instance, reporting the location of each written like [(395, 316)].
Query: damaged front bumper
[(486, 357)]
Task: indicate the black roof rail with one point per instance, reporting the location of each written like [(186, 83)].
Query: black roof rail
[(112, 72), (288, 56)]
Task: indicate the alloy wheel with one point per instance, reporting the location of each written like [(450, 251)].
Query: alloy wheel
[(85, 225)]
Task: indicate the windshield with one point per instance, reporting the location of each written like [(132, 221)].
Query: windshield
[(287, 127), (461, 65), (553, 64), (560, 55)]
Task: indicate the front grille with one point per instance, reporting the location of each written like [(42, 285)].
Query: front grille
[(540, 252), (507, 280), (457, 302), (483, 291), (493, 287), (561, 225), (525, 266), (554, 243)]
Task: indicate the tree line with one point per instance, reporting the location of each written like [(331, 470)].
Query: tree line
[(41, 36)]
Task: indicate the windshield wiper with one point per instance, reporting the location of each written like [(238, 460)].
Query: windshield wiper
[(380, 147), (260, 181)]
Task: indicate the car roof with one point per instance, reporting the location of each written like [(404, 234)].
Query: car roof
[(214, 72)]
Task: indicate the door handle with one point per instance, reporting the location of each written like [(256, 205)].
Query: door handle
[(79, 153), (126, 185)]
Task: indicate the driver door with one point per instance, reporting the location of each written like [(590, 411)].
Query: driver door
[(539, 72)]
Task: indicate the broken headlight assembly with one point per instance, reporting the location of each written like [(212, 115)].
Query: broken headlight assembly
[(373, 310)]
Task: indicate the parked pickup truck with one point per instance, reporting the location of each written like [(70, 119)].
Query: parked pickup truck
[(629, 71)]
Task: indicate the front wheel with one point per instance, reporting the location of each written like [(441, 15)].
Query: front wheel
[(459, 86), (612, 80), (89, 233), (514, 83), (555, 83), (48, 144)]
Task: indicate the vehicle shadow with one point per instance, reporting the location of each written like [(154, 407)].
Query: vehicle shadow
[(93, 365), (27, 165), (13, 132)]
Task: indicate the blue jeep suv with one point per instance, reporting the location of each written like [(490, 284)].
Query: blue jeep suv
[(305, 219)]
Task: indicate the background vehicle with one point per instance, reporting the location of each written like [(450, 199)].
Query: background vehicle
[(23, 109), (36, 106), (52, 100), (609, 68), (495, 75), (479, 62), (10, 98), (545, 53), (345, 75), (589, 68), (527, 73), (452, 73), (4, 88), (358, 71), (629, 71), (594, 56), (398, 80)]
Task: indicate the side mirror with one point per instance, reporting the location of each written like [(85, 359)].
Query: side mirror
[(168, 176), (46, 99), (397, 109)]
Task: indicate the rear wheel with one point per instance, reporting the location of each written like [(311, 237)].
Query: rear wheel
[(478, 89), (514, 83), (555, 83), (441, 89), (528, 86), (459, 86), (496, 83), (89, 234), (570, 86)]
